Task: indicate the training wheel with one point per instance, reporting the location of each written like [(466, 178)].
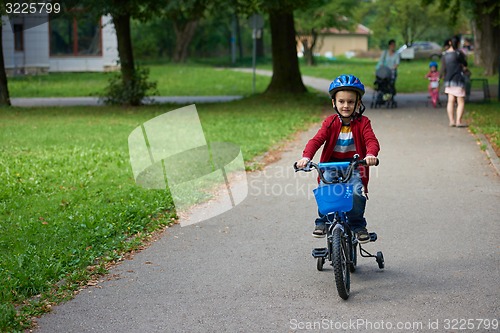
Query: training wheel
[(380, 260), (319, 263)]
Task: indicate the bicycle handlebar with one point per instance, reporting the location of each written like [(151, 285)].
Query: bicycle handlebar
[(344, 179)]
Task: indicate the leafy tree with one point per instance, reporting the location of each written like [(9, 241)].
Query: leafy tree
[(152, 39), (122, 11), (286, 73), (413, 20), (213, 37), (405, 21), (185, 16), (320, 15), (485, 16)]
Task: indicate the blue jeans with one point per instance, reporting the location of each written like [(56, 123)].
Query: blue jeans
[(355, 217)]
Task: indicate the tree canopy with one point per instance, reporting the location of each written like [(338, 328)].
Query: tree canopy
[(485, 20), (407, 21), (322, 15)]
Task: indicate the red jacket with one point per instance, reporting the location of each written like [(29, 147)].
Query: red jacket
[(364, 139)]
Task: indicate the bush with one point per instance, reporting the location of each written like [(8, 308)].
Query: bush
[(134, 93)]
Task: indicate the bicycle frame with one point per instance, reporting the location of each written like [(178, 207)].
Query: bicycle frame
[(340, 222), (341, 242)]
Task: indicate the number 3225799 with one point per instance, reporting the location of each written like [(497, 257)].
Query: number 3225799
[(32, 8), (470, 324)]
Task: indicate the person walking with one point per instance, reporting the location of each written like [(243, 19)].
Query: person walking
[(453, 65), (390, 58)]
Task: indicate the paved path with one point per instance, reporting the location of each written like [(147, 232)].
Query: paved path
[(404, 99), (94, 101), (433, 202)]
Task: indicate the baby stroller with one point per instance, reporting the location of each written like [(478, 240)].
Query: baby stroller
[(384, 89)]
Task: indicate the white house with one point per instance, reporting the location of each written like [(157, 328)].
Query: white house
[(33, 44)]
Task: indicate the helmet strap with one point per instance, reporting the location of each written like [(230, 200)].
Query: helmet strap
[(362, 108)]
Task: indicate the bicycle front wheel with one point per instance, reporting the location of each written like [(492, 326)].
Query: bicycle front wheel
[(354, 257), (340, 258)]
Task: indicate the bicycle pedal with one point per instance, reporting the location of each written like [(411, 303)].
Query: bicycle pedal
[(320, 252), (373, 236)]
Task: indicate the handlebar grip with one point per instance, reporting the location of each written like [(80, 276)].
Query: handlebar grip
[(363, 162), (307, 168)]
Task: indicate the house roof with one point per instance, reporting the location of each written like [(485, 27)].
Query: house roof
[(360, 30)]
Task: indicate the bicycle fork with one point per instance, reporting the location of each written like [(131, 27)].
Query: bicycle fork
[(326, 252)]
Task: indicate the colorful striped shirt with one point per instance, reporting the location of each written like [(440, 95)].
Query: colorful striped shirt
[(344, 148)]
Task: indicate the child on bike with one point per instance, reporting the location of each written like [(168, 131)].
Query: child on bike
[(433, 76), (344, 134)]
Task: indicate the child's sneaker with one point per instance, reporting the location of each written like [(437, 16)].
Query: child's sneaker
[(319, 231), (363, 236)]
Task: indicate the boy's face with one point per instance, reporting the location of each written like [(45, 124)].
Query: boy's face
[(345, 101)]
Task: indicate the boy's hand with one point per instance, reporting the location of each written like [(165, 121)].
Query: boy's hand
[(302, 162), (371, 160)]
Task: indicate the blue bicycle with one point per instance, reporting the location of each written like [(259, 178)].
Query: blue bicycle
[(335, 199)]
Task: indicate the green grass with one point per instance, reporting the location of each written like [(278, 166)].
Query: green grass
[(68, 201), (172, 80), (57, 85), (485, 119)]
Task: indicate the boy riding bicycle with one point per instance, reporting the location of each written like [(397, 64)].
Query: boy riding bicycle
[(345, 134)]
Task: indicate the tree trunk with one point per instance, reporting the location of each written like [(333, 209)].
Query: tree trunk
[(238, 37), (477, 44), (487, 30), (308, 51), (309, 43), (4, 87), (286, 73), (125, 52), (183, 35)]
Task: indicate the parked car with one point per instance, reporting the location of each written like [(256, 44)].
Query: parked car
[(420, 50)]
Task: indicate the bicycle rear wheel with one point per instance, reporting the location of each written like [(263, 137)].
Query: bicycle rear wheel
[(340, 259)]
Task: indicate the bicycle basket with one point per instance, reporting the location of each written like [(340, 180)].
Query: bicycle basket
[(334, 197)]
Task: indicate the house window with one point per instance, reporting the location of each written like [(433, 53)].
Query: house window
[(18, 37), (75, 36)]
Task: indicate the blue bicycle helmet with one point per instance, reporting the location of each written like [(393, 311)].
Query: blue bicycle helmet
[(346, 82), (433, 64)]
